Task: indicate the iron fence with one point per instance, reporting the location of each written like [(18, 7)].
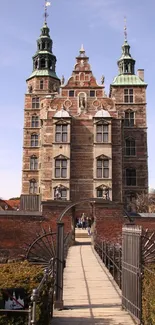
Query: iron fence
[(111, 255)]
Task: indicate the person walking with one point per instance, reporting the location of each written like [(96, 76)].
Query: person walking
[(89, 226)]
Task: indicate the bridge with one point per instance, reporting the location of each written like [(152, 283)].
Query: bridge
[(90, 294)]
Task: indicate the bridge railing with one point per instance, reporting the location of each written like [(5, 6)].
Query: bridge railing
[(111, 255)]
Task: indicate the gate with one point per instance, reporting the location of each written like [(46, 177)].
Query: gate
[(132, 270)]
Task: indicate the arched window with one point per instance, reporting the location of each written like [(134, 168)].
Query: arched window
[(102, 131), (33, 163), (102, 168), (35, 121), (130, 177), (34, 140), (42, 63), (129, 118), (130, 149), (33, 187)]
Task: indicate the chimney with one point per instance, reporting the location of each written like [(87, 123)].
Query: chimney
[(140, 74)]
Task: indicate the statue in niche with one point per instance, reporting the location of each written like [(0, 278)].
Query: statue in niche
[(58, 192), (106, 193), (30, 89), (82, 102)]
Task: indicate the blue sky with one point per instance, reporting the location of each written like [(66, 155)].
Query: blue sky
[(98, 24)]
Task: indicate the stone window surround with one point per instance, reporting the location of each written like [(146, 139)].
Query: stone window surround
[(35, 102), (33, 186), (130, 177), (61, 158), (128, 95), (35, 121), (62, 121), (33, 162), (130, 121), (130, 150), (102, 157), (105, 121), (34, 140)]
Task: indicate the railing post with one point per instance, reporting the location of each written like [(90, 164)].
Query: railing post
[(105, 253), (114, 261), (59, 266), (29, 315), (34, 300)]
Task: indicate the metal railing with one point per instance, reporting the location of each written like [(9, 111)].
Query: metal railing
[(111, 255)]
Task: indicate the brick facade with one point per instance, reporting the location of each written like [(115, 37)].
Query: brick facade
[(79, 142)]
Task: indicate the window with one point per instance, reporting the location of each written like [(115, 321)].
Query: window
[(131, 177), (71, 93), (33, 163), (35, 121), (128, 95), (101, 133), (61, 133), (41, 84), (34, 140), (130, 149), (92, 93), (60, 168), (35, 102), (33, 186), (42, 63), (129, 118), (102, 168)]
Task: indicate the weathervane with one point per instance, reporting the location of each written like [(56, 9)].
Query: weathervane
[(125, 29), (47, 4)]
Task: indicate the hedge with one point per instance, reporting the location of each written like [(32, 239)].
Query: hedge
[(26, 276), (148, 296)]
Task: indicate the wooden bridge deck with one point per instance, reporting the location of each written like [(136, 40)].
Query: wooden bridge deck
[(90, 295)]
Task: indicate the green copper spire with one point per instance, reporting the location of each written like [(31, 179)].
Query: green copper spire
[(44, 61)]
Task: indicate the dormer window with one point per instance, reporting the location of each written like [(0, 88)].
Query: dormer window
[(128, 95)]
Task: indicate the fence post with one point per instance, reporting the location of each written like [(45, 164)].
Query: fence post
[(29, 315), (59, 266), (105, 253), (34, 300), (114, 261)]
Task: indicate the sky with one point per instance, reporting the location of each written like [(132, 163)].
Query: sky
[(99, 25)]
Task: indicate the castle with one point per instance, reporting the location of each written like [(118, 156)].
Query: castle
[(78, 142)]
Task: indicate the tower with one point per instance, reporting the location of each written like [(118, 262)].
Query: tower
[(128, 90), (41, 83)]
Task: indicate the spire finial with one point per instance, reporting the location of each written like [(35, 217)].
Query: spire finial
[(47, 4), (82, 50), (125, 29)]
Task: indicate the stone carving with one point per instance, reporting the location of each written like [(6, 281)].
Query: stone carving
[(82, 102), (58, 192), (62, 80), (30, 89), (106, 193), (102, 80)]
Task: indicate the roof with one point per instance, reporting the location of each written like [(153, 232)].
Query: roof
[(9, 204), (102, 113), (43, 73), (126, 79)]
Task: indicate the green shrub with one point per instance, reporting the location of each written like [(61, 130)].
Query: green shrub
[(26, 276), (148, 297)]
